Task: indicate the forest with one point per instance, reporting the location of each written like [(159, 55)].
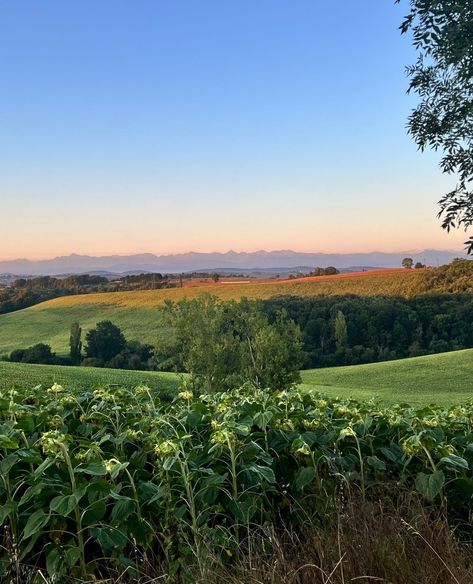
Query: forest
[(352, 330)]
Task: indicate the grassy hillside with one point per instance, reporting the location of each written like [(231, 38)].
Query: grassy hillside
[(25, 375), (444, 379), (136, 312)]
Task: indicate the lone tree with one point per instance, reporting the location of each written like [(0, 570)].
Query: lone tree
[(75, 343), (225, 344), (340, 330), (442, 32), (407, 263)]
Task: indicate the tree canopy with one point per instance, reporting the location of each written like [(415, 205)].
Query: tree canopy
[(442, 32), (224, 344)]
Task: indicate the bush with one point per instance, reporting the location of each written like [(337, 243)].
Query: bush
[(39, 353)]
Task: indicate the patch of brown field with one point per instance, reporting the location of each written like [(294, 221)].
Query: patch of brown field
[(204, 282)]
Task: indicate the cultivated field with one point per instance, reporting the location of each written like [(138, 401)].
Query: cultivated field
[(445, 379), (81, 378), (119, 486), (137, 315)]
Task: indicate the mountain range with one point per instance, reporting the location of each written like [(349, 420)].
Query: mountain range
[(195, 261)]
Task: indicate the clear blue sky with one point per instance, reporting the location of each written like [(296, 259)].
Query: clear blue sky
[(171, 125)]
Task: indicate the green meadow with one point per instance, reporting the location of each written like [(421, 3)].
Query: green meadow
[(443, 379), (446, 378), (28, 375)]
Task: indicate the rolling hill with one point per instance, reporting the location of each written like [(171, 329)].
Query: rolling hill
[(138, 315), (446, 378), (26, 375)]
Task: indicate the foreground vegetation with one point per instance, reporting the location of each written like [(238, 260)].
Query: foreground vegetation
[(97, 483)]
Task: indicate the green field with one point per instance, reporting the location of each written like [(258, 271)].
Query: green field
[(26, 375), (444, 379), (138, 314)]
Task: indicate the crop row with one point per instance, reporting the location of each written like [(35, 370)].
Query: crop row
[(120, 474)]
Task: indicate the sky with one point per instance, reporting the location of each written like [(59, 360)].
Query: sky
[(166, 126)]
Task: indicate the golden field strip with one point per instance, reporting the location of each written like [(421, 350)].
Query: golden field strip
[(389, 283)]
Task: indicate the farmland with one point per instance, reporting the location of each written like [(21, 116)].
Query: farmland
[(137, 315), (123, 476), (444, 379), (81, 378)]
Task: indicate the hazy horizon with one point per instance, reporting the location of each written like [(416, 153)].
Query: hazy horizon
[(164, 127), (414, 251)]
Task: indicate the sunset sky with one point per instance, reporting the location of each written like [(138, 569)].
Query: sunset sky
[(173, 125)]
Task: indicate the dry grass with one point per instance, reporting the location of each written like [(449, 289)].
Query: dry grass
[(377, 542)]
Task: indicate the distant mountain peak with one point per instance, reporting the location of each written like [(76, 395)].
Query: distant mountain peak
[(201, 261)]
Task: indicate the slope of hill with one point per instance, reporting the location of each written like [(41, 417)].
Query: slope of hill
[(26, 375), (136, 312), (444, 379)]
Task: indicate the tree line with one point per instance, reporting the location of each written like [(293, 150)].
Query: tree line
[(350, 330), (25, 292), (105, 346)]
